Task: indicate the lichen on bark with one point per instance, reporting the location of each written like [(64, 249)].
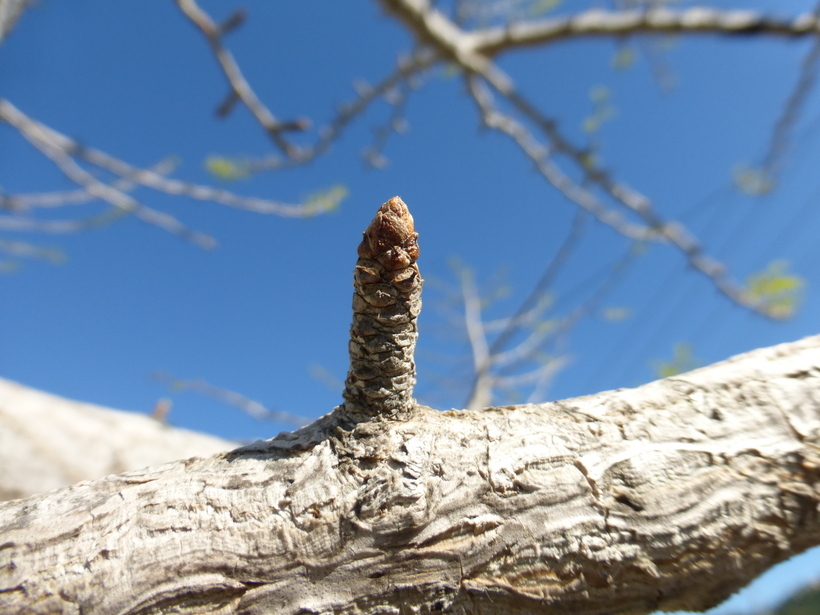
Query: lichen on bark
[(386, 303)]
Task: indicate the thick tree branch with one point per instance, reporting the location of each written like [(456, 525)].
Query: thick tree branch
[(669, 496)]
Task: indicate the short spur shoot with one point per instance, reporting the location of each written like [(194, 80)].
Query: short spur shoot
[(386, 303)]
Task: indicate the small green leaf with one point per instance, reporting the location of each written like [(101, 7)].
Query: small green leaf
[(616, 314), (682, 361), (599, 94), (602, 109), (541, 7), (591, 124), (778, 289), (754, 182), (623, 58), (227, 169), (325, 200)]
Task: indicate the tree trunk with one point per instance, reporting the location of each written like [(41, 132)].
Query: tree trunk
[(669, 496)]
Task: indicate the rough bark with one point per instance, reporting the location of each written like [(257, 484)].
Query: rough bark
[(671, 495), (47, 442)]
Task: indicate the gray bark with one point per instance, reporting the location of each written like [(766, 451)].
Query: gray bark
[(668, 496)]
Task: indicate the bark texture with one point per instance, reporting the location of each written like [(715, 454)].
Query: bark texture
[(386, 303), (669, 496)]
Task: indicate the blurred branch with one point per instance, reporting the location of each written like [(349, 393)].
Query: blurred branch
[(433, 27), (614, 24), (239, 86), (237, 400), (779, 142), (541, 156), (10, 11), (59, 149), (396, 123), (59, 198), (54, 227), (63, 152), (242, 91), (21, 248)]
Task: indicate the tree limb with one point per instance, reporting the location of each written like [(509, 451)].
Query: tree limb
[(615, 24), (669, 496)]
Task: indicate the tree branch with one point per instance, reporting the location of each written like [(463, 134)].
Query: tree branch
[(616, 24), (239, 86), (669, 496), (432, 27)]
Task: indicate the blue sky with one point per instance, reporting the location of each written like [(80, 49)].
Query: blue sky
[(261, 313)]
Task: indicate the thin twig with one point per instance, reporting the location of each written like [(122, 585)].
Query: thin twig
[(493, 354), (239, 85), (779, 142), (80, 196), (146, 177), (50, 145), (237, 400)]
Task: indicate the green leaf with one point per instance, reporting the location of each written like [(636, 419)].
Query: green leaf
[(602, 110), (325, 200), (682, 361), (623, 58), (777, 288), (616, 314), (599, 94), (754, 182), (591, 124), (541, 7), (227, 169)]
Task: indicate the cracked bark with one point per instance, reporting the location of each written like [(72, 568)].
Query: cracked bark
[(668, 496)]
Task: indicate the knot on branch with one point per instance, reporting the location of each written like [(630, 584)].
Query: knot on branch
[(386, 303)]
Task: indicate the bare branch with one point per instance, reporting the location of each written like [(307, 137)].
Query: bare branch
[(53, 148), (21, 248), (541, 157), (620, 502), (779, 142), (407, 68), (396, 123), (541, 373), (10, 11), (58, 227), (614, 24), (237, 400), (59, 198), (431, 26), (481, 392), (236, 80), (544, 282), (66, 147)]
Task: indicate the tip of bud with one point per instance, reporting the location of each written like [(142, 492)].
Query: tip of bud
[(390, 238)]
